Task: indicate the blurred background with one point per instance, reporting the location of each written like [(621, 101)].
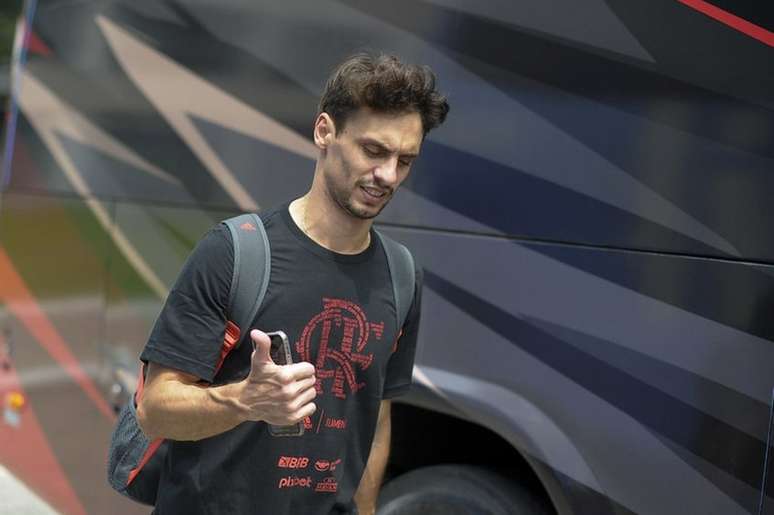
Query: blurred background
[(9, 15), (594, 220)]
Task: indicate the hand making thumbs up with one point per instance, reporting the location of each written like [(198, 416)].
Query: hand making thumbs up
[(277, 394)]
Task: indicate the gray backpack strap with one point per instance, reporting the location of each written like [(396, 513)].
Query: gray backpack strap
[(401, 264), (134, 462), (252, 267)]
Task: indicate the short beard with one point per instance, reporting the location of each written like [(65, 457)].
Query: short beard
[(363, 215), (344, 201)]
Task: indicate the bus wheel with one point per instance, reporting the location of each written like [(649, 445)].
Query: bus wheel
[(457, 490)]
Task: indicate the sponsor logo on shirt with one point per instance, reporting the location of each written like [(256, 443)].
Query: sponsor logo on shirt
[(293, 462), (336, 423), (329, 484), (295, 482), (325, 465), (337, 361)]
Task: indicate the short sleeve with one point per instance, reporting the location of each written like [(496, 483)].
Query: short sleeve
[(189, 331), (400, 368)]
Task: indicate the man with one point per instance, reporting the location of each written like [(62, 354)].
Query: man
[(330, 291)]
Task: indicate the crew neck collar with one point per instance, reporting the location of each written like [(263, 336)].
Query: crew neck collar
[(318, 249)]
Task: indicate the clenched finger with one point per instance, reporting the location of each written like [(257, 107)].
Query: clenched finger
[(305, 383), (306, 411), (298, 371), (304, 398)]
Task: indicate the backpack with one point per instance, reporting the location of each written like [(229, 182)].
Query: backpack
[(134, 461)]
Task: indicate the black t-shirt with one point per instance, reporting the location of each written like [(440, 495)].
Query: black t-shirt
[(339, 314)]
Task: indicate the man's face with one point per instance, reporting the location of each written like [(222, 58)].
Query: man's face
[(366, 161)]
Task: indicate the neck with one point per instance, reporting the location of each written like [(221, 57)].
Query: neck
[(329, 225)]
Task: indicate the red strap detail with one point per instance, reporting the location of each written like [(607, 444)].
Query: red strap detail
[(230, 339), (149, 452)]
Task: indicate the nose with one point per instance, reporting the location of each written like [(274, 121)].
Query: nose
[(386, 174)]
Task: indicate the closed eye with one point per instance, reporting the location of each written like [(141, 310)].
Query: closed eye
[(373, 151)]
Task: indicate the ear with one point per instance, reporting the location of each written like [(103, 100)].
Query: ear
[(324, 131)]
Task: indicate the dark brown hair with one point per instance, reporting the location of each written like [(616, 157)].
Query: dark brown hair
[(385, 84)]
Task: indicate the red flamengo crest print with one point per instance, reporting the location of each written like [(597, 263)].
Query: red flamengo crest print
[(337, 361)]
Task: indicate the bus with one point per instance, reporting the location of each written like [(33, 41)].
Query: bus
[(594, 222)]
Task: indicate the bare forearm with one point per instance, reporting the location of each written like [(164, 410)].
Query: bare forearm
[(176, 406), (368, 491), (189, 412)]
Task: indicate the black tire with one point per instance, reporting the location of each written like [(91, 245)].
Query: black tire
[(457, 490)]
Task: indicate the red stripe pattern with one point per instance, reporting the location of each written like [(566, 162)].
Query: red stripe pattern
[(735, 22)]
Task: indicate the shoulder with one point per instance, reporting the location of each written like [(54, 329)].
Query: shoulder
[(269, 216), (217, 239), (215, 250), (209, 266), (399, 257)]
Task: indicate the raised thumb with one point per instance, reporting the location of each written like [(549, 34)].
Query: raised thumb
[(262, 342)]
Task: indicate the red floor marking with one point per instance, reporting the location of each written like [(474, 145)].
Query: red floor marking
[(733, 21), (25, 451), (22, 304)]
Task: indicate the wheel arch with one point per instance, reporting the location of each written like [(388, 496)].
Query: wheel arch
[(507, 428)]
